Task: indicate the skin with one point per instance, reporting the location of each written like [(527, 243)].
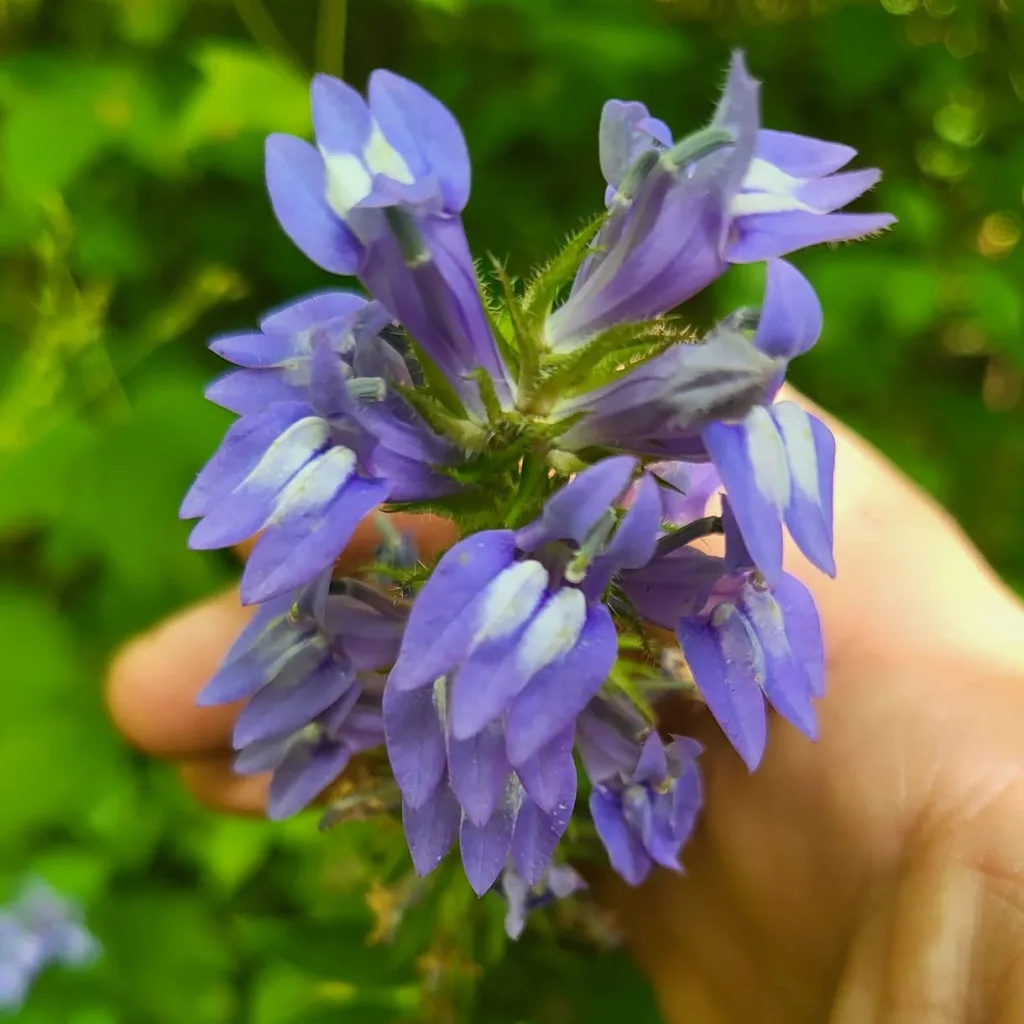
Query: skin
[(874, 876)]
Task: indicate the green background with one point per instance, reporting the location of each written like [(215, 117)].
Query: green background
[(134, 225)]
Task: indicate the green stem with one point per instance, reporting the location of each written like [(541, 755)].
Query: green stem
[(261, 26), (330, 37)]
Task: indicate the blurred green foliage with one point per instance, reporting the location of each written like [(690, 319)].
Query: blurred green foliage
[(133, 224)]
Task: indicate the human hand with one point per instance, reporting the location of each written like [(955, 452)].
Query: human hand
[(873, 876)]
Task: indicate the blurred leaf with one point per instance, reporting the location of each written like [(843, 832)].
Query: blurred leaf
[(243, 90), (912, 296), (233, 849), (999, 306), (148, 22), (168, 957), (55, 128)]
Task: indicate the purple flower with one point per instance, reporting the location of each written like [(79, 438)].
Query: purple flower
[(38, 929), (646, 795), (379, 196), (659, 406), (679, 214), (777, 461), (743, 639), (467, 790), (277, 359), (685, 490), (322, 440), (507, 642), (557, 882), (515, 617), (307, 666)]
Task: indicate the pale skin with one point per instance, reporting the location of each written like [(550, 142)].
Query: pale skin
[(874, 876)]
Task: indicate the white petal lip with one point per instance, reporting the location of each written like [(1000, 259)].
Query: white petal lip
[(766, 189), (347, 182), (767, 455), (510, 599), (288, 454), (348, 177), (553, 632), (795, 427), (314, 485), (381, 157)]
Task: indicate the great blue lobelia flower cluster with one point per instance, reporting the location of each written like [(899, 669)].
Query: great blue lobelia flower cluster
[(574, 430)]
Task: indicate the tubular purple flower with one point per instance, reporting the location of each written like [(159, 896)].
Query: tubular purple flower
[(322, 440), (777, 462), (646, 795), (305, 665), (516, 617), (663, 239), (743, 640), (660, 406), (38, 929), (466, 789), (379, 196), (676, 222), (557, 882)]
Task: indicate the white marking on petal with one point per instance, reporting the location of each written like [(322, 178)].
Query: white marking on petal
[(746, 204), (439, 698), (510, 599), (347, 182), (767, 456), (289, 452), (315, 485), (285, 649), (514, 795), (795, 427), (553, 633), (763, 176), (765, 617), (766, 189), (740, 647), (382, 158)]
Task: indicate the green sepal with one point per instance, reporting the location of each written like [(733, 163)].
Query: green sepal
[(500, 326), (621, 678), (543, 288), (527, 500), (525, 342), (488, 394), (438, 385), (463, 431), (585, 368)]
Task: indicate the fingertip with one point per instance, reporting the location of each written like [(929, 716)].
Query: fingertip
[(214, 783), (153, 681)]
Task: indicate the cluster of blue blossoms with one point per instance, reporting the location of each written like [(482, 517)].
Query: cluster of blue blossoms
[(575, 432), (38, 929)]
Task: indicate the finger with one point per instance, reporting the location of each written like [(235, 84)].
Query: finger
[(905, 570), (153, 682), (431, 533), (214, 783)]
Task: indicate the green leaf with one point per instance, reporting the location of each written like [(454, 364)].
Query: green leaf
[(243, 90), (148, 22)]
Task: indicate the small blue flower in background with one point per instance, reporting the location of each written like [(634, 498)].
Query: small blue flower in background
[(559, 881), (573, 429), (38, 929)]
